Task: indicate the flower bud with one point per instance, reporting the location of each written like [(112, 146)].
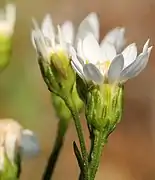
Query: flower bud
[(61, 109)]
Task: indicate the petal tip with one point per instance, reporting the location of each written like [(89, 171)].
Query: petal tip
[(92, 15), (29, 143), (149, 49)]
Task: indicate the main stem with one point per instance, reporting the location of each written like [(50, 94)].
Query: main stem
[(70, 104), (99, 142), (49, 170)]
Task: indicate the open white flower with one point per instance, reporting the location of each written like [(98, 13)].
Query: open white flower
[(48, 41), (14, 139), (7, 19), (100, 63)]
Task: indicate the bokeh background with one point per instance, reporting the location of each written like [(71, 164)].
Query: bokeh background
[(130, 152)]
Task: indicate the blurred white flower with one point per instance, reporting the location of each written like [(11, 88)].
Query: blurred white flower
[(14, 139), (7, 19), (48, 41), (103, 63)]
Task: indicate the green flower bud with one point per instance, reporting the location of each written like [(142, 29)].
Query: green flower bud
[(61, 109), (104, 106)]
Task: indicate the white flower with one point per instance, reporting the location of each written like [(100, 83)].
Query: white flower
[(100, 63), (14, 139), (7, 19), (48, 41)]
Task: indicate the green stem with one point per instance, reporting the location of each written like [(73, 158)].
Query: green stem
[(99, 142), (49, 170), (71, 106), (18, 165)]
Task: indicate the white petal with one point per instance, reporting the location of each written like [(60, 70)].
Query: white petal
[(80, 50), (136, 67), (92, 73), (116, 37), (2, 159), (11, 14), (33, 38), (89, 25), (91, 49), (61, 38), (77, 66), (67, 31), (115, 69), (40, 44), (108, 51), (77, 69), (92, 18), (130, 54), (146, 45), (10, 145), (48, 28), (29, 143)]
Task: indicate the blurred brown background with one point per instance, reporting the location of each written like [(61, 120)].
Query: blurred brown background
[(129, 155)]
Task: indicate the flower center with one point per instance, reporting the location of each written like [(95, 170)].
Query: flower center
[(104, 66)]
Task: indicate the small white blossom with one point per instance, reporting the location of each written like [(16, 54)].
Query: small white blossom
[(14, 139), (104, 62), (7, 19), (48, 39)]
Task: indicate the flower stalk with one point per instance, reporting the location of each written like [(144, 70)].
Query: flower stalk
[(59, 141), (70, 104), (100, 139)]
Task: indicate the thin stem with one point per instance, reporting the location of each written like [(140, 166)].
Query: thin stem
[(91, 137), (18, 165), (49, 170), (99, 142), (71, 106)]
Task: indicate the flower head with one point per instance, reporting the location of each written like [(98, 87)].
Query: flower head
[(105, 62), (7, 19), (15, 140), (53, 50), (102, 70)]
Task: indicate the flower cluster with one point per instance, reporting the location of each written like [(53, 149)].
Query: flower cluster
[(99, 62), (73, 65), (101, 67)]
